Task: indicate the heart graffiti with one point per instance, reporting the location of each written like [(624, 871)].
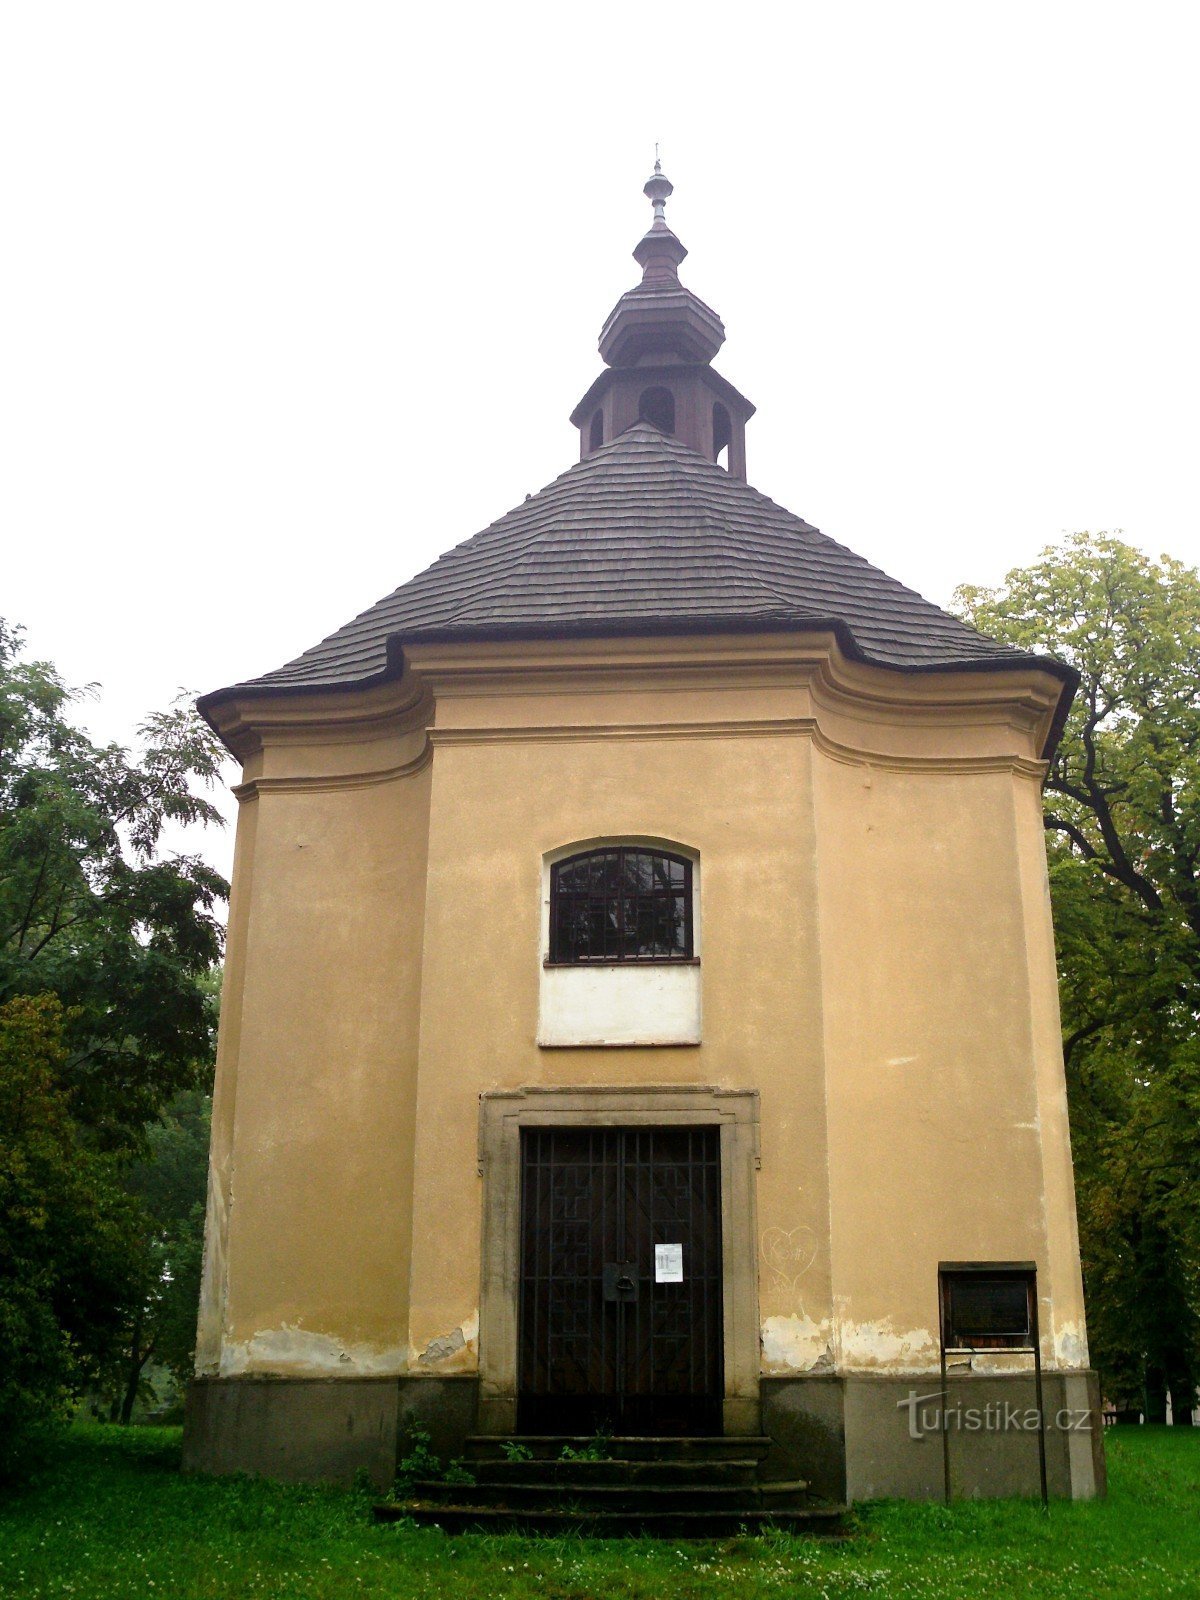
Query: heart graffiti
[(788, 1255)]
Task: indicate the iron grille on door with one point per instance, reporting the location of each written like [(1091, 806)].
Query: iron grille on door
[(615, 1349)]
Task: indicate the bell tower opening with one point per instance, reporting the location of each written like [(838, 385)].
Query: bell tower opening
[(596, 432), (722, 428), (657, 405)]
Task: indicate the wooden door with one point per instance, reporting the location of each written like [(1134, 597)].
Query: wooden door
[(614, 1337)]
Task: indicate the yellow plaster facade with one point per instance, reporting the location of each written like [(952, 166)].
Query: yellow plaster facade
[(877, 964)]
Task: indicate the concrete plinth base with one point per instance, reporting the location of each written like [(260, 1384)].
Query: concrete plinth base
[(863, 1437), (447, 1409), (323, 1430), (850, 1437), (295, 1429)]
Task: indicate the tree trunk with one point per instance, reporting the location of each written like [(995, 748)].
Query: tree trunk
[(1183, 1395), (133, 1372), (1156, 1394)]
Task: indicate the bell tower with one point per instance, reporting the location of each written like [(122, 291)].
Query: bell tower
[(658, 343)]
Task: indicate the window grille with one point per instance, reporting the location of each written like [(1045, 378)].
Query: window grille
[(621, 904)]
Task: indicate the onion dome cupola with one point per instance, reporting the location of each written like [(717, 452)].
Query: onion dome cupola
[(659, 342)]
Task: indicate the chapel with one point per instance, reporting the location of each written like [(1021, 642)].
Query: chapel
[(640, 1019)]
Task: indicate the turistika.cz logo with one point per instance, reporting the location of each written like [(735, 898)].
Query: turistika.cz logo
[(927, 1414)]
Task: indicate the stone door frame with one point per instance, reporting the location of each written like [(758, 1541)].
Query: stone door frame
[(502, 1115)]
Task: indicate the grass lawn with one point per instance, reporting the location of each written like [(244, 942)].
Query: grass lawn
[(110, 1515)]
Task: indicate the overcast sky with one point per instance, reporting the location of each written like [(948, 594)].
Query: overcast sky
[(297, 296)]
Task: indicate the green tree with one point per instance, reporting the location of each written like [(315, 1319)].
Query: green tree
[(168, 1186), (68, 1256), (91, 909), (108, 946), (1122, 813)]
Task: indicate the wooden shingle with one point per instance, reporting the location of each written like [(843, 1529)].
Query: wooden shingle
[(646, 536)]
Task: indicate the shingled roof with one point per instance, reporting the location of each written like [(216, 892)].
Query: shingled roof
[(646, 536)]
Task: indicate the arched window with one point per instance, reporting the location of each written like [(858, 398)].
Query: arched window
[(622, 903), (596, 433), (657, 405), (722, 433)]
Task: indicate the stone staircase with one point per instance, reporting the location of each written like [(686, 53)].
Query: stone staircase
[(672, 1487)]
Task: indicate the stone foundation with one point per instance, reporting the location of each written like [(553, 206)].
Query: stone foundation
[(306, 1430), (850, 1438)]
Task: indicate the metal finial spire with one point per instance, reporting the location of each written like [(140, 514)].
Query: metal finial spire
[(658, 190)]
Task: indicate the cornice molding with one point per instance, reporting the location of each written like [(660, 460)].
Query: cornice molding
[(794, 727), (399, 706), (859, 713), (319, 784), (1024, 699)]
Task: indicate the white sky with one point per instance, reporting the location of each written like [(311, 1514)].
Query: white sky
[(294, 297)]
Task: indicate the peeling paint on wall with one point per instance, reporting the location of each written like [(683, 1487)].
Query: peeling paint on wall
[(442, 1349), (299, 1353), (454, 1351), (876, 1346), (795, 1344), (1071, 1346), (212, 1277)]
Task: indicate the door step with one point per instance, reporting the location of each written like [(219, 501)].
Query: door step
[(582, 1495), (554, 1472), (673, 1487), (671, 1447)]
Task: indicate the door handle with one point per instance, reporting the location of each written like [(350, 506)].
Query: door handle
[(621, 1281)]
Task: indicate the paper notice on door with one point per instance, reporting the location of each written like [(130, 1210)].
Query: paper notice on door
[(668, 1263)]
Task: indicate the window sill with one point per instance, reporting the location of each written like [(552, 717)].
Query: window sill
[(634, 962), (649, 1043)]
